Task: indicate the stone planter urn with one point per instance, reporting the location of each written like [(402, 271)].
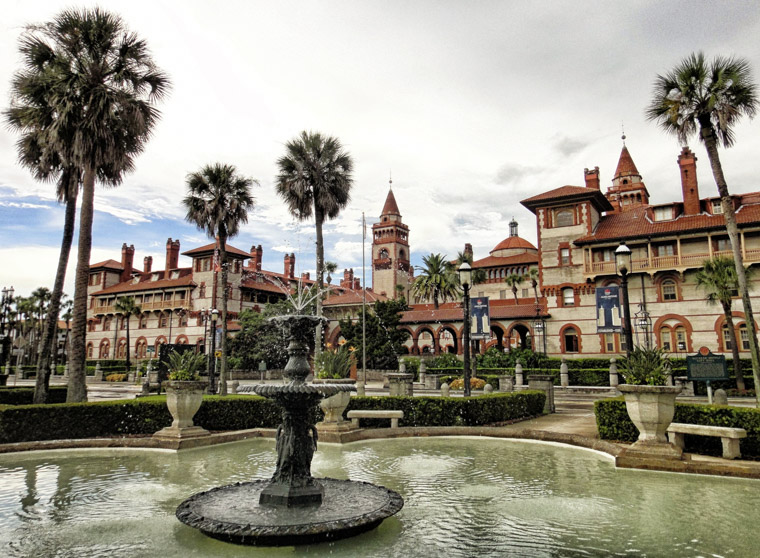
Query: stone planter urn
[(183, 399), (334, 406), (651, 408)]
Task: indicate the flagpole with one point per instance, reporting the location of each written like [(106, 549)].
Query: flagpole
[(364, 310)]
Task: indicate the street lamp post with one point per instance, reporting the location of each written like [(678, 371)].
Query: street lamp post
[(212, 367), (539, 326), (465, 280), (623, 261), (644, 322)]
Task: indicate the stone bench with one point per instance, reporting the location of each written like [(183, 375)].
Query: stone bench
[(393, 415), (729, 436)]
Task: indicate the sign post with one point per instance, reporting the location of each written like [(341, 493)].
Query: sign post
[(706, 367)]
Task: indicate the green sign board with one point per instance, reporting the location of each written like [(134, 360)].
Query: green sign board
[(706, 367)]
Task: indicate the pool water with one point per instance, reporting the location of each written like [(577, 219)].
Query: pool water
[(463, 497)]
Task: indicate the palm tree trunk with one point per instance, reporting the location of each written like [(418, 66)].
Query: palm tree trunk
[(734, 349), (223, 343), (42, 382), (77, 391), (708, 135), (514, 292), (126, 317), (319, 219)]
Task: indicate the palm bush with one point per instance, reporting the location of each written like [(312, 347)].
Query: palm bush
[(183, 367), (335, 363), (645, 367)]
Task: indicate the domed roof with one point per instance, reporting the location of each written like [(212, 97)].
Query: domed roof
[(513, 243)]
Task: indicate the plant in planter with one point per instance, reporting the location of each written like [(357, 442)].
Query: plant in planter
[(184, 395), (649, 402), (333, 366)]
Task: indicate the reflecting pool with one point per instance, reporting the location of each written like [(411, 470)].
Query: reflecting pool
[(463, 497)]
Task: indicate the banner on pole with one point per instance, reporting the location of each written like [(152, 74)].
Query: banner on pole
[(480, 319), (608, 309)]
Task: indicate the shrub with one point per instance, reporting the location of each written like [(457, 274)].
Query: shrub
[(116, 378), (613, 423), (129, 417), (412, 366), (25, 395), (475, 383), (645, 367), (335, 362), (445, 360), (455, 411), (184, 366)]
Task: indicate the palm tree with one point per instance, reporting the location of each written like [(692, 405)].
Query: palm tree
[(718, 278), (315, 179), (218, 202), (437, 280), (41, 299), (47, 162), (97, 85), (67, 312), (710, 98), (513, 280), (126, 306), (532, 276), (330, 268)]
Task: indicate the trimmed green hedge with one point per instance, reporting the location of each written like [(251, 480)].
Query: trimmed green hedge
[(25, 395), (613, 423), (122, 418), (237, 412), (454, 411)]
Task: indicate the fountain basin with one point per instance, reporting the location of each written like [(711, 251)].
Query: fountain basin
[(233, 513)]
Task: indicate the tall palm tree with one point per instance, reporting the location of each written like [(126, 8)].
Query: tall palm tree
[(126, 306), (709, 99), (437, 279), (41, 298), (67, 312), (98, 84), (478, 274), (315, 179), (48, 162), (514, 280), (218, 202), (330, 268), (718, 278)]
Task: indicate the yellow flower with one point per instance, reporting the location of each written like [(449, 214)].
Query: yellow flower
[(342, 342), (352, 349), (329, 345)]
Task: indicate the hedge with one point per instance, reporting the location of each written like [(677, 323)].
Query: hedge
[(237, 412), (613, 423), (25, 395), (454, 411)]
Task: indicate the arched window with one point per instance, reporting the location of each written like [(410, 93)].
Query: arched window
[(570, 340), (105, 347), (743, 338), (727, 338), (666, 343), (89, 350), (564, 217), (182, 321), (121, 349), (669, 291), (681, 339), (141, 348), (402, 254), (568, 297), (383, 254), (163, 320), (143, 321)]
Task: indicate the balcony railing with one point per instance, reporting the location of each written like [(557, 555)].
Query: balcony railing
[(162, 305), (676, 261)]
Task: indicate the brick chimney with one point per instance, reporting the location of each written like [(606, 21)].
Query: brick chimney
[(147, 264), (687, 161), (290, 265), (357, 284), (127, 260), (348, 279), (468, 251), (592, 178), (257, 253), (172, 256)]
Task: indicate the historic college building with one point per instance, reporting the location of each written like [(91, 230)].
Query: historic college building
[(552, 309)]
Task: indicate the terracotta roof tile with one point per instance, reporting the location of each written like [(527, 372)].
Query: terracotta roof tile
[(572, 192), (513, 243), (145, 284), (452, 311), (390, 207), (353, 298), (209, 249), (107, 264), (626, 166)]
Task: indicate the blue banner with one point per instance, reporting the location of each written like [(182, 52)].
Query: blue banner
[(608, 309), (480, 319)]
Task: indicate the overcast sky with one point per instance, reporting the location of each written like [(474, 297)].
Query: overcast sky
[(473, 106)]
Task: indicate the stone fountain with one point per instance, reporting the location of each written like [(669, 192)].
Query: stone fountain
[(292, 507)]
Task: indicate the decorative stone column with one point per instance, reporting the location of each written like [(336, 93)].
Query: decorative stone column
[(98, 372), (401, 384), (564, 375), (445, 391), (432, 381), (543, 383), (488, 388), (506, 383), (614, 380), (423, 371), (519, 381)]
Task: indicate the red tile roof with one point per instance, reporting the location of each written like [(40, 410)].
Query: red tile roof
[(638, 223), (209, 249), (108, 264), (626, 166), (145, 284), (566, 193), (513, 243), (390, 207), (494, 261), (353, 298)]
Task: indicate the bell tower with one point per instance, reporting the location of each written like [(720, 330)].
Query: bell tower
[(390, 251)]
